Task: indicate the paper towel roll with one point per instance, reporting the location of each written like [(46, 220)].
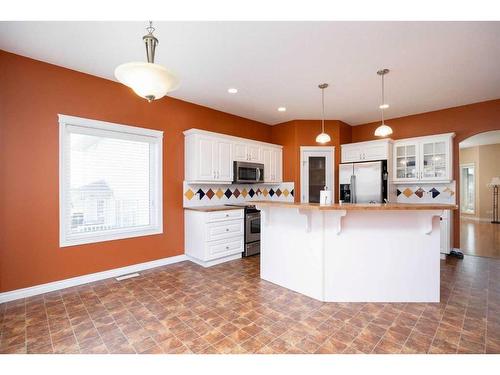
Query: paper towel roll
[(325, 197)]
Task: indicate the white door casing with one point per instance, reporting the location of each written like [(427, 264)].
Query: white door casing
[(310, 151)]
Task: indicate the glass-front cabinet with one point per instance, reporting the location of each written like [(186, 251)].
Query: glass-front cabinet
[(423, 159), (434, 158), (406, 161)]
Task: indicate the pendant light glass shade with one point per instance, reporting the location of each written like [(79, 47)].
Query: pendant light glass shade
[(383, 130), (148, 80), (323, 137)]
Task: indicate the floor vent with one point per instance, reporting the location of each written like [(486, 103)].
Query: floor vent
[(125, 277)]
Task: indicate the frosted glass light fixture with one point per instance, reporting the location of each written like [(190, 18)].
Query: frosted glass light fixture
[(383, 130), (148, 80), (323, 137)]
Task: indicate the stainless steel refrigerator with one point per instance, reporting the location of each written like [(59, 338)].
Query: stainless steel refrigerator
[(363, 182)]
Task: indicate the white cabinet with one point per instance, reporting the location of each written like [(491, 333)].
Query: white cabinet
[(208, 159), (423, 159), (445, 231), (272, 157), (247, 152), (366, 151), (213, 237)]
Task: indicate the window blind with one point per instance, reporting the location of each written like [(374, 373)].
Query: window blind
[(111, 182)]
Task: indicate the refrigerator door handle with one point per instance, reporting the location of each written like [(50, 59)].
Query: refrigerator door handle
[(353, 188)]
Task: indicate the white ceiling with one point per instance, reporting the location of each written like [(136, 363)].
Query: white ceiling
[(433, 65), (481, 139)]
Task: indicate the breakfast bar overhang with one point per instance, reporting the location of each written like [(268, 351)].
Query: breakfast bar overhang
[(353, 252)]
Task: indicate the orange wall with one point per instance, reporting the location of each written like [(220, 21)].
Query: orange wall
[(294, 134), (465, 121), (32, 93)]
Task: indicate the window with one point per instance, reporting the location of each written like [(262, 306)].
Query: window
[(110, 180), (468, 188)]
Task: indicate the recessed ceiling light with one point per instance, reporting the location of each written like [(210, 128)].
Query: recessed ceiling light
[(281, 109), (383, 106), (232, 90)]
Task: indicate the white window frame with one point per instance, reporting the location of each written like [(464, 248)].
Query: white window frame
[(463, 192), (95, 127)]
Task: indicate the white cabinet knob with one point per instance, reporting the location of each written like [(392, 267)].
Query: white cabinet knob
[(227, 247), (227, 229)]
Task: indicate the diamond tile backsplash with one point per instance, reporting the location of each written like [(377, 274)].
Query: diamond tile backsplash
[(195, 195), (426, 193)]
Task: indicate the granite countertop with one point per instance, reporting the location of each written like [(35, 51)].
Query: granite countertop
[(359, 206), (213, 208)]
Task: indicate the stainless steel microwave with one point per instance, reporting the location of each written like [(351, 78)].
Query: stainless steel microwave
[(248, 173)]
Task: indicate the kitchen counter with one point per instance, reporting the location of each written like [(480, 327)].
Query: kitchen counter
[(353, 252), (213, 208), (358, 206)]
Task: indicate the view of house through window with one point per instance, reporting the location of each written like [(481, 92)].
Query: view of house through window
[(110, 183)]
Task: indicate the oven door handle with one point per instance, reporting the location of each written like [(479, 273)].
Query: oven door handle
[(258, 174)]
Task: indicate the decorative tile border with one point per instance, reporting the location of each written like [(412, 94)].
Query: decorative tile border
[(429, 193), (195, 195)]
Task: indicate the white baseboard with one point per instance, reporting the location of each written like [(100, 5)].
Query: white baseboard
[(79, 280), (210, 263)]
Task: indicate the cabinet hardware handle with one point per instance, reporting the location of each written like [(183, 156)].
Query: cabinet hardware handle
[(227, 215), (227, 247), (227, 229)]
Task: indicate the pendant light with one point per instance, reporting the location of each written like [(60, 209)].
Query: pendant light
[(148, 80), (323, 137), (383, 130)]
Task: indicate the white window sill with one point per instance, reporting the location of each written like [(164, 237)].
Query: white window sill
[(96, 238)]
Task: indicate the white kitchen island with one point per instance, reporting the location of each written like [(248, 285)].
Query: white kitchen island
[(353, 252)]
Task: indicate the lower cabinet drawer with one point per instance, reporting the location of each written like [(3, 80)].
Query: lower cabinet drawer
[(224, 215), (217, 249), (224, 229)]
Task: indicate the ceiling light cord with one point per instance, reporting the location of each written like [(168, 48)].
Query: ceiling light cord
[(323, 110), (383, 98)]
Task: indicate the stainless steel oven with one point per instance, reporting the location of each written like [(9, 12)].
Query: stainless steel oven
[(245, 172), (252, 229)]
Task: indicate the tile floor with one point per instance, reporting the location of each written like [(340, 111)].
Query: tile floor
[(184, 308)]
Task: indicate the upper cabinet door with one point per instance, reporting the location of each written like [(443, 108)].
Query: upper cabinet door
[(266, 160), (279, 165), (240, 152), (206, 155), (376, 151), (366, 151), (272, 158), (406, 166), (224, 161), (351, 153), (254, 152), (247, 152), (434, 159)]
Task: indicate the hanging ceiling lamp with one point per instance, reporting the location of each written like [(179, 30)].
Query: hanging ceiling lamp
[(383, 130), (148, 80), (323, 137)]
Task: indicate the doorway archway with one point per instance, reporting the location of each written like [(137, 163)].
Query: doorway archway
[(478, 172)]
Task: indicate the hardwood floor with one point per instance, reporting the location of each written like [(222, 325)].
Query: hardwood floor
[(480, 238)]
